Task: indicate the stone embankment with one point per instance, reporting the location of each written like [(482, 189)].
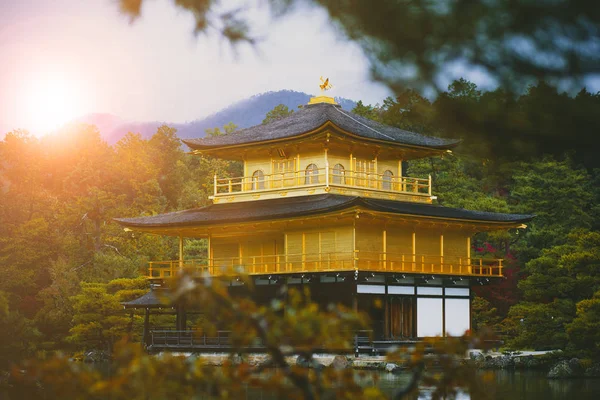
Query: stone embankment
[(557, 365), (318, 361)]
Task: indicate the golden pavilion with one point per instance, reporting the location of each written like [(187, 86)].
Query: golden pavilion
[(324, 201)]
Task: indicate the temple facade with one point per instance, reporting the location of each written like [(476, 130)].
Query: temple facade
[(324, 202)]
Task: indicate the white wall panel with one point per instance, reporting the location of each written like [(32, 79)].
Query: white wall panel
[(429, 317), (458, 316)]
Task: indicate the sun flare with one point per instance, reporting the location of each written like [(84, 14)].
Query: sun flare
[(51, 102)]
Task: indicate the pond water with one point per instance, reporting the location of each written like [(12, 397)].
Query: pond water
[(517, 385), (511, 385)]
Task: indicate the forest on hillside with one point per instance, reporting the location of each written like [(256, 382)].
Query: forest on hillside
[(66, 265)]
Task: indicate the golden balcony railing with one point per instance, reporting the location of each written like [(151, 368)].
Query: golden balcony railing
[(321, 177), (331, 262)]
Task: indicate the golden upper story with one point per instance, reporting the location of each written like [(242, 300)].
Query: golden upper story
[(322, 149)]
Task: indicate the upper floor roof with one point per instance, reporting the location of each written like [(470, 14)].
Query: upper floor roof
[(314, 119)]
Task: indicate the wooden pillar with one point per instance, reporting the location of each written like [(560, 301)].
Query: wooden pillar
[(376, 172), (469, 249), (384, 249), (146, 331), (180, 252), (387, 315), (326, 169), (245, 174), (442, 252), (303, 251), (352, 171), (469, 254), (285, 250), (298, 170), (414, 250), (354, 249), (209, 260), (400, 178)]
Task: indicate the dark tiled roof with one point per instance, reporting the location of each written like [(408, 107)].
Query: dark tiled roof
[(312, 117), (152, 299), (307, 205)]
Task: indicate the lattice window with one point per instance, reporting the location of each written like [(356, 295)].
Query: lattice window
[(364, 171), (388, 176), (258, 180), (283, 172), (311, 174), (339, 174)]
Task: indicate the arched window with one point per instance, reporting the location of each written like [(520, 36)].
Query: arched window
[(338, 174), (311, 174), (258, 180), (387, 180)]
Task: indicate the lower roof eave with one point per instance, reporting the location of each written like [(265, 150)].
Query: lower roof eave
[(201, 220)]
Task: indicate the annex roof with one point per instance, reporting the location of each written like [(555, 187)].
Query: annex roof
[(150, 300), (312, 119), (249, 211)]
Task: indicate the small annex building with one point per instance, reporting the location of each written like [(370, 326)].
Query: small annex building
[(324, 201)]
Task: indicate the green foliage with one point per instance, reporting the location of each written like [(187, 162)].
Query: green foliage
[(367, 111), (280, 111), (584, 330), (541, 326), (98, 320), (17, 334), (561, 277), (167, 155), (484, 314), (566, 271), (58, 197), (227, 129)]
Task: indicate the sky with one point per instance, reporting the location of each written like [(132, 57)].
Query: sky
[(62, 59)]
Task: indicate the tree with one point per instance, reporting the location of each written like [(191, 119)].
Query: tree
[(18, 336), (367, 111), (539, 326), (560, 196), (98, 318), (227, 129), (280, 111), (166, 152), (560, 278), (584, 330)]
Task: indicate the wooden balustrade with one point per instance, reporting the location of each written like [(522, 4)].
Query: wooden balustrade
[(321, 177), (326, 262)]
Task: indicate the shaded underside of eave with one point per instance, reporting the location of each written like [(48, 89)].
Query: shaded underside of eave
[(314, 119), (306, 206)]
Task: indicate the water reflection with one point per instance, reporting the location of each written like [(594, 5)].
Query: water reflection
[(512, 385)]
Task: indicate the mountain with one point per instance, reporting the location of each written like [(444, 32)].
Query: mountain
[(244, 113)]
